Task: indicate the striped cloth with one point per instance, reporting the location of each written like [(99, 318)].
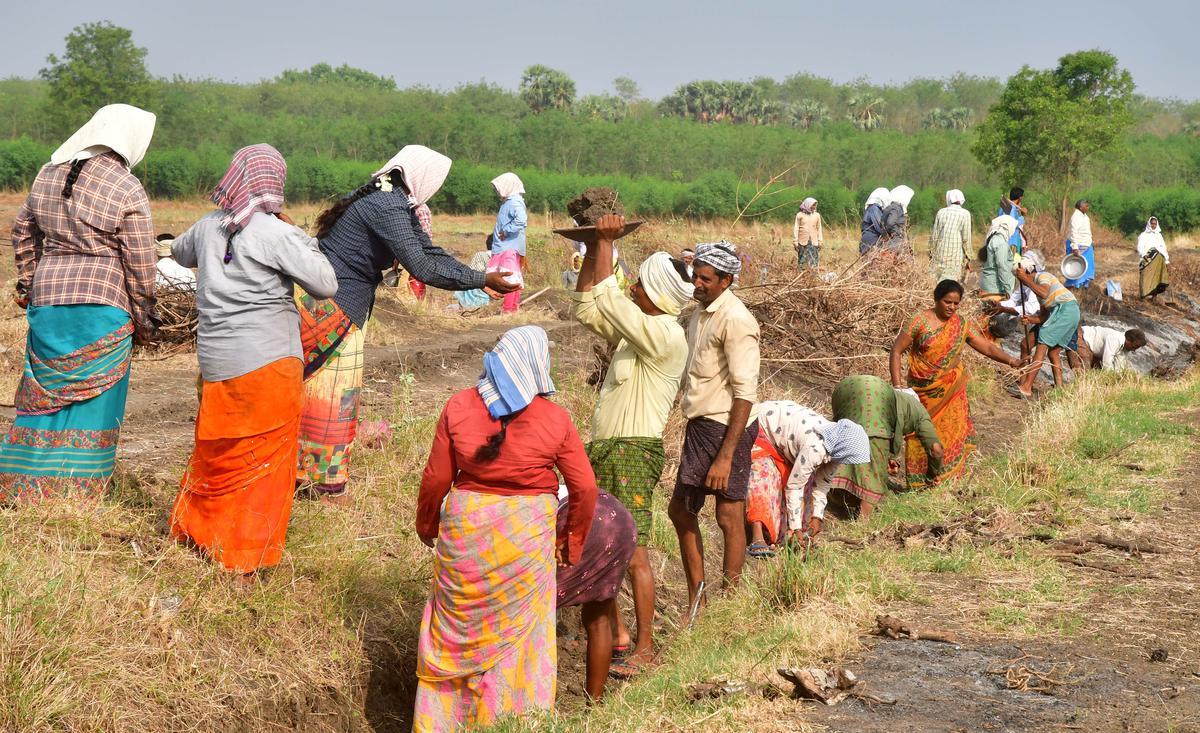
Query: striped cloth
[(516, 371), (254, 182), (95, 247), (950, 243)]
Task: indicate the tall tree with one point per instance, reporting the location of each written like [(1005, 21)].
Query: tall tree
[(100, 65), (345, 74), (627, 89), (1048, 122), (545, 88)]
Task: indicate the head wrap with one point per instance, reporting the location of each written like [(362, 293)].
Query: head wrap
[(253, 183), (662, 283), (902, 195), (516, 371), (846, 441), (507, 184), (954, 196), (808, 205), (1155, 228), (1031, 261), (424, 171), (121, 128), (881, 197), (687, 253), (162, 245), (721, 255), (1005, 225)]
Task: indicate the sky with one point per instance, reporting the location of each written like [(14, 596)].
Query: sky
[(657, 43)]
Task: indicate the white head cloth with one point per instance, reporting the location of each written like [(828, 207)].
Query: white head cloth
[(880, 197), (808, 205), (902, 195), (1004, 224), (1153, 225), (662, 283), (121, 128), (954, 196), (1151, 239), (721, 255), (507, 184), (424, 170), (1031, 261)]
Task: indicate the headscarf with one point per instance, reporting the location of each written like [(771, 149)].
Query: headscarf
[(507, 184), (253, 183), (1005, 225), (721, 255), (846, 441), (1151, 239), (162, 245), (1031, 259), (881, 197), (807, 206), (121, 128), (516, 371), (902, 195), (662, 283), (424, 171), (954, 196), (687, 253)]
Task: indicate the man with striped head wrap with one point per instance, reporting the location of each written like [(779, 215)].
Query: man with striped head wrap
[(626, 449), (719, 395)]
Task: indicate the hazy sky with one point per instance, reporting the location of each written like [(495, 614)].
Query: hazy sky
[(657, 43)]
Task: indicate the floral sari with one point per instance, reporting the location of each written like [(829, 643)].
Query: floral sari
[(939, 377)]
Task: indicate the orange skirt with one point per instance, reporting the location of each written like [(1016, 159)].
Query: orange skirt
[(236, 495)]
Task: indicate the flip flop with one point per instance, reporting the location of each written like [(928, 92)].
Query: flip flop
[(760, 551), (1015, 392), (620, 651), (628, 670)]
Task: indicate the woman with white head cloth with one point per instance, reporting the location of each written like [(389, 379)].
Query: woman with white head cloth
[(872, 221), (85, 256), (807, 236), (1152, 269), (429, 171), (895, 219), (950, 241), (508, 247), (996, 279), (362, 235)]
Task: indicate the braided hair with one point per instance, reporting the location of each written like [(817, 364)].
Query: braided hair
[(73, 176), (329, 217), (490, 450)]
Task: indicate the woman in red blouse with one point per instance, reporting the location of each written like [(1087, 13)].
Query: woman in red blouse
[(487, 506)]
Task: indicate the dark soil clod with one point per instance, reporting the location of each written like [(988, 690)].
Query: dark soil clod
[(587, 208)]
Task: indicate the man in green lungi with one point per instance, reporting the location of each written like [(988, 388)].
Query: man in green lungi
[(638, 391)]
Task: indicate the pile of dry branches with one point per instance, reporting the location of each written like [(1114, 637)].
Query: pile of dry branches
[(177, 310), (822, 331)]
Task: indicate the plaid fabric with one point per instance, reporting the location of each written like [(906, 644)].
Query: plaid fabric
[(95, 247), (629, 469), (950, 243), (254, 182)]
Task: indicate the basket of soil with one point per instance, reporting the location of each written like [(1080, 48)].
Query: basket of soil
[(587, 208)]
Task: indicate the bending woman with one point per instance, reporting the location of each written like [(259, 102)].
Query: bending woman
[(362, 235), (487, 505), (1059, 319), (935, 340), (236, 494), (85, 257)]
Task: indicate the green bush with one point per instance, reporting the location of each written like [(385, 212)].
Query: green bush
[(20, 161)]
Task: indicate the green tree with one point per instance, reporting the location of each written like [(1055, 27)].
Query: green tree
[(627, 89), (602, 107), (1048, 122), (345, 74), (100, 65), (545, 88)]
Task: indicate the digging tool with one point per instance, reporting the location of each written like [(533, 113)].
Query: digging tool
[(696, 606)]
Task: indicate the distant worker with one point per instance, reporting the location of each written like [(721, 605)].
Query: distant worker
[(807, 236), (1079, 241), (171, 274), (872, 221), (1107, 348), (688, 256), (950, 241), (895, 221), (508, 245), (1010, 205), (1153, 260)]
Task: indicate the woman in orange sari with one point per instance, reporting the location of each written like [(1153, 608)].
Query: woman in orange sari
[(935, 340)]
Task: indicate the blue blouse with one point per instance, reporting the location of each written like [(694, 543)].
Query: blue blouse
[(510, 221)]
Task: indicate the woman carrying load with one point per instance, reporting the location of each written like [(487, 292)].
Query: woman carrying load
[(236, 494), (508, 245), (1153, 260), (935, 340), (487, 505), (85, 257), (362, 235)]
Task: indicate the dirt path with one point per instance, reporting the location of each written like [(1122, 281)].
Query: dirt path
[(1132, 665)]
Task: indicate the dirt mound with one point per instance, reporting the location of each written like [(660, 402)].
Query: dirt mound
[(593, 203)]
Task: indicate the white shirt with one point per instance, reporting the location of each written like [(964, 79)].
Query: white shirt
[(1108, 344), (1032, 306), (1080, 232), (173, 274)]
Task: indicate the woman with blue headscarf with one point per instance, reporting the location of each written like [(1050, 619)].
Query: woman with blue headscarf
[(487, 505)]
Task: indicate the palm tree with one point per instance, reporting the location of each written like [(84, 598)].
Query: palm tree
[(807, 113), (865, 110), (545, 88)]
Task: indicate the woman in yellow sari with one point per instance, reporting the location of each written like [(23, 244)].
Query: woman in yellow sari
[(935, 340)]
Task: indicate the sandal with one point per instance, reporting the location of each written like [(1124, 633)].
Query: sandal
[(1016, 392), (626, 670), (760, 551), (620, 651)]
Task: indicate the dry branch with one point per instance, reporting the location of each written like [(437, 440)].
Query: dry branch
[(1133, 546), (895, 628)]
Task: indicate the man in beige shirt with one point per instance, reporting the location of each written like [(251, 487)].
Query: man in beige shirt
[(719, 397), (626, 449)]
